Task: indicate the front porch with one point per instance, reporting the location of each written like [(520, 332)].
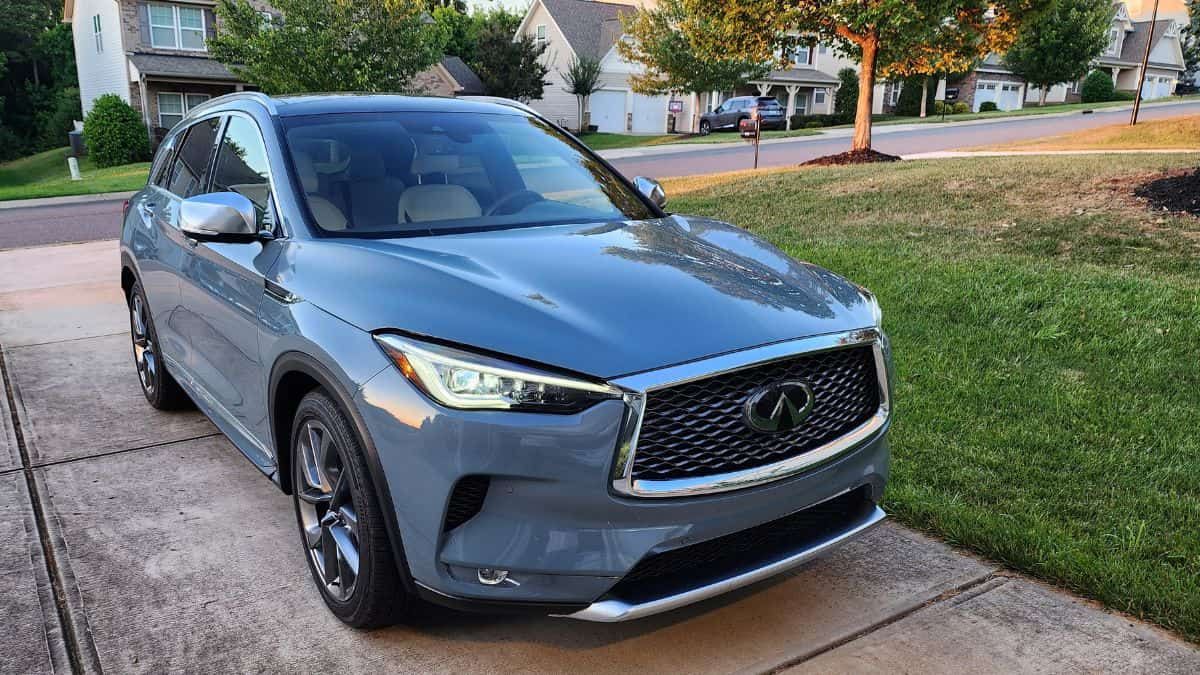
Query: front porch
[(801, 91), (164, 88)]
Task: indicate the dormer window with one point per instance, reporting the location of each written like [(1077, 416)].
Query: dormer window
[(1114, 37), (1172, 30)]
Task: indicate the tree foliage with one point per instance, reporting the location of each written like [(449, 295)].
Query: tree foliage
[(582, 78), (1059, 45), (327, 45), (887, 37), (510, 68), (114, 133), (1191, 39), (670, 62), (37, 64), (909, 103), (847, 92)]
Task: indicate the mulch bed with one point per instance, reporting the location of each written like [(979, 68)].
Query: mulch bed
[(1174, 193), (852, 157)]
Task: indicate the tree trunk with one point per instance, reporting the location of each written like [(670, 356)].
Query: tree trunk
[(924, 95), (866, 94), (1042, 96)]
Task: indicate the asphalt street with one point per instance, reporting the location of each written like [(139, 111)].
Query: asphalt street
[(92, 221)]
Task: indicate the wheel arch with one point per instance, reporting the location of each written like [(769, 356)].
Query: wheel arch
[(293, 375), (129, 275)]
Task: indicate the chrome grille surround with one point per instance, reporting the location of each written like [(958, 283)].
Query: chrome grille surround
[(639, 385)]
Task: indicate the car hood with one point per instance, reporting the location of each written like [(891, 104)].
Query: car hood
[(602, 299)]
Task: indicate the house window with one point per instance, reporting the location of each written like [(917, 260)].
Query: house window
[(801, 104), (802, 55), (1113, 35), (541, 34), (176, 27), (823, 49), (172, 106), (96, 34), (819, 97)]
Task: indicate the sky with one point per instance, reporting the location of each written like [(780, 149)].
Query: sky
[(521, 5)]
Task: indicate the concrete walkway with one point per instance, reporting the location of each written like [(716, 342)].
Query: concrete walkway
[(136, 541)]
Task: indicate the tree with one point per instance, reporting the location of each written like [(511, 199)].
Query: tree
[(327, 45), (114, 132), (915, 96), (847, 92), (1097, 87), (510, 68), (671, 64), (881, 34), (1191, 40), (583, 79), (1059, 45), (460, 32)]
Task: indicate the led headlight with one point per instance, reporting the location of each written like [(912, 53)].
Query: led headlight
[(460, 379)]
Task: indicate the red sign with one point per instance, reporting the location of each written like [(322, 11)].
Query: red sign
[(675, 106)]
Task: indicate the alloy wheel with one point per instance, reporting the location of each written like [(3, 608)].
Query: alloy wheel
[(328, 519), (144, 353)]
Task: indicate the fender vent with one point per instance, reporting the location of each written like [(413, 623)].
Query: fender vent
[(465, 501)]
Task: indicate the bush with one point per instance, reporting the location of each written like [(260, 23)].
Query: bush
[(846, 100), (11, 146), (988, 106), (57, 121), (808, 121), (114, 133), (1097, 87), (960, 107), (1123, 96), (909, 103), (815, 124)]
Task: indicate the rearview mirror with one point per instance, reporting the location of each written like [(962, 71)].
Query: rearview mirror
[(218, 215), (652, 189)]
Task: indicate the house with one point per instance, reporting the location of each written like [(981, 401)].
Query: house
[(992, 81), (154, 56)]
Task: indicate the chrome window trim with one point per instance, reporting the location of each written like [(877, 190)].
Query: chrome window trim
[(641, 385)]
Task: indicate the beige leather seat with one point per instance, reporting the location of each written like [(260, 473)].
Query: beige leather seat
[(436, 201), (327, 214)]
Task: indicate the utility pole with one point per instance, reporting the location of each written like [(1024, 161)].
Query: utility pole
[(1137, 97)]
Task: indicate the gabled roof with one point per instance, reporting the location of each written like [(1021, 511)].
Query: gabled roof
[(1135, 41), (468, 81), (591, 28)]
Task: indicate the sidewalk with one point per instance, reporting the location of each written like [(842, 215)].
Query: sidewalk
[(62, 201), (167, 551)]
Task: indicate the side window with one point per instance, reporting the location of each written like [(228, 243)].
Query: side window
[(242, 164), (191, 161)]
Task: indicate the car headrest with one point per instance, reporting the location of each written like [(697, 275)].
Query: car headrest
[(437, 202), (426, 164)]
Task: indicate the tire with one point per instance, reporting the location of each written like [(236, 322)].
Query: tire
[(160, 389), (705, 128), (340, 521)]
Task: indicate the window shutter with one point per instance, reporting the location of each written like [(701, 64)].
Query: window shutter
[(144, 23), (210, 23)]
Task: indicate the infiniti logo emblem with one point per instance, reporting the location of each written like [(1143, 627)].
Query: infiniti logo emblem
[(779, 407)]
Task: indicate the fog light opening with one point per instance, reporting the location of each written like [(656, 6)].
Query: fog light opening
[(490, 577)]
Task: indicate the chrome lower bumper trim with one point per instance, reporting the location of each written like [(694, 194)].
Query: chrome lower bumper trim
[(614, 610)]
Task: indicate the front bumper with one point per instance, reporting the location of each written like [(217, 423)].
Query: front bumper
[(551, 517)]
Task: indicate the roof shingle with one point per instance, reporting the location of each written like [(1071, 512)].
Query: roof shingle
[(582, 23)]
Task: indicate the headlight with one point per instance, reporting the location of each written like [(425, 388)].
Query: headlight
[(460, 379)]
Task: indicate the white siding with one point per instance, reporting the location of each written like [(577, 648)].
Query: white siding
[(556, 103), (103, 72), (1167, 51)]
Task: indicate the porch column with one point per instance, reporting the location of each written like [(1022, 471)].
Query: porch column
[(828, 100), (791, 106), (763, 88), (1115, 71)]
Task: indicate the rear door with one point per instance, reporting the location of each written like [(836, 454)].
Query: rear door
[(223, 286)]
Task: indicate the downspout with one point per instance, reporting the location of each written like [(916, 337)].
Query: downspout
[(145, 107)]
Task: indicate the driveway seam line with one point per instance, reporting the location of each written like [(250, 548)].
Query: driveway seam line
[(950, 595), (49, 559), (74, 339), (110, 453)]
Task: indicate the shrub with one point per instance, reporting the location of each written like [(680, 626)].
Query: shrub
[(11, 146), (58, 120), (1097, 87), (814, 124), (847, 93), (960, 107), (988, 106), (909, 103), (114, 133), (1123, 96), (803, 121), (939, 108)]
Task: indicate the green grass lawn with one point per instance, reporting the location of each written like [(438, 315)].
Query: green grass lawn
[(607, 141), (1030, 109), (1045, 333), (46, 175)]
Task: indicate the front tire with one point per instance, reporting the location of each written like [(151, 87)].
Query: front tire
[(342, 530), (161, 390), (705, 128)]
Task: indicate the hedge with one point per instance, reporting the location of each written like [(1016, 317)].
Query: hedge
[(114, 133)]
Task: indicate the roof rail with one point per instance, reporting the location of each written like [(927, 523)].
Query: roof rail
[(256, 96), (500, 101)]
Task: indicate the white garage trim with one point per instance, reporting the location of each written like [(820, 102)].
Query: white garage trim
[(602, 107), (1006, 95)]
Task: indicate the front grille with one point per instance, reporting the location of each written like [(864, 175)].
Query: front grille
[(709, 561), (698, 428), (465, 501)]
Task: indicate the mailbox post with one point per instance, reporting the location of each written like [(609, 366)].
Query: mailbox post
[(750, 130), (948, 100)]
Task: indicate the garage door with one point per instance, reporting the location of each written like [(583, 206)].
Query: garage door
[(649, 114), (1156, 87), (1006, 95), (608, 110)]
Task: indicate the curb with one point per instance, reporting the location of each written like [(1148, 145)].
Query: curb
[(65, 200)]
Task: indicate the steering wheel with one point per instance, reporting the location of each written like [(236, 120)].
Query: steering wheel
[(524, 197)]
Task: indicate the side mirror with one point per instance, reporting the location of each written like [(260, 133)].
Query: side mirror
[(218, 215), (652, 189)]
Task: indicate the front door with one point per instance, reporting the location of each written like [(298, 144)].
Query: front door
[(222, 288)]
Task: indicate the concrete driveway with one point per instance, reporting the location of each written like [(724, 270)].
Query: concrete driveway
[(139, 541)]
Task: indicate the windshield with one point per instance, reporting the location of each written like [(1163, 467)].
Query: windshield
[(404, 173)]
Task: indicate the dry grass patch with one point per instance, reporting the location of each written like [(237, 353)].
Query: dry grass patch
[(1168, 134)]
